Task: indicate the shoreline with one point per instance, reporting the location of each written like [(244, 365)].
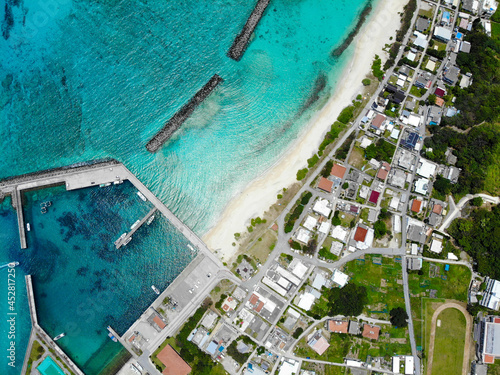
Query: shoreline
[(261, 192)]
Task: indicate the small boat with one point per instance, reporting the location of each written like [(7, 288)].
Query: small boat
[(150, 220), (48, 203), (135, 224), (155, 289), (43, 210), (191, 247), (120, 239), (112, 337), (141, 196), (28, 227), (60, 336), (13, 264), (127, 241)]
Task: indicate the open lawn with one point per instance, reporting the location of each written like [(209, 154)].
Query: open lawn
[(380, 275), (449, 343), (492, 181), (357, 158), (320, 368), (452, 284), (494, 369), (415, 91), (495, 30), (261, 249)]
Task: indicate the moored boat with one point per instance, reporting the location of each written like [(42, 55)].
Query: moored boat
[(60, 336), (155, 289)]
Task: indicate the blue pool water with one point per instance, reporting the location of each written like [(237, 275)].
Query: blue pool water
[(82, 80)]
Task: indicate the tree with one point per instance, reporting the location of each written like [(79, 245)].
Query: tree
[(431, 98), (349, 300), (477, 201), (398, 317), (298, 332), (345, 185), (336, 221), (380, 229), (366, 82)]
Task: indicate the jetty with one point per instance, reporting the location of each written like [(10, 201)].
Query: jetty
[(183, 114), (241, 41), (122, 241), (38, 333)]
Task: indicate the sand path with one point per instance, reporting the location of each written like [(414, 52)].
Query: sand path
[(468, 330)]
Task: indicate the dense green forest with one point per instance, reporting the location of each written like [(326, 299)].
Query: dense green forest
[(479, 102), (475, 151), (479, 237)]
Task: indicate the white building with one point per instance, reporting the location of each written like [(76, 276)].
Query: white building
[(306, 301), (340, 278), (436, 246), (289, 366), (322, 207), (303, 235), (491, 296), (426, 168)]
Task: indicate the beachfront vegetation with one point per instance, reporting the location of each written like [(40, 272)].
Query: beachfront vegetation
[(301, 174), (377, 68), (409, 10), (343, 150), (479, 236), (366, 82), (297, 210)]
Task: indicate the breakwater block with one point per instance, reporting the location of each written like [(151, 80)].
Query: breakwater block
[(183, 114), (241, 41)]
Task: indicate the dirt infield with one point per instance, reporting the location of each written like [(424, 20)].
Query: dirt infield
[(468, 330)]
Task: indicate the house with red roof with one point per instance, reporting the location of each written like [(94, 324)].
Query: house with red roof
[(173, 362), (416, 206), (384, 171), (325, 185), (360, 234), (338, 171), (378, 121), (338, 326), (371, 332)]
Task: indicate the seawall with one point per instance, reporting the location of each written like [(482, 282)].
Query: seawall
[(241, 41), (183, 114)]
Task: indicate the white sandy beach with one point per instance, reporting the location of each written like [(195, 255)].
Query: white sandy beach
[(261, 193)]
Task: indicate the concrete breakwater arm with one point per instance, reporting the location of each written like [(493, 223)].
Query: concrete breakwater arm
[(182, 115), (241, 41)]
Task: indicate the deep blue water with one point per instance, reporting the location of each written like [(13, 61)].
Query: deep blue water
[(82, 283), (83, 80)]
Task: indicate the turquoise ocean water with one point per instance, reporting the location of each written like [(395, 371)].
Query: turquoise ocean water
[(83, 80)]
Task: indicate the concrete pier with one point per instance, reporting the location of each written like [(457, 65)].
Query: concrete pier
[(17, 202), (123, 241), (183, 114), (37, 330), (241, 41)]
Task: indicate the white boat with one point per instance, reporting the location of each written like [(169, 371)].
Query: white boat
[(13, 264), (141, 196), (60, 336), (150, 220), (191, 247), (127, 241), (135, 224), (120, 238), (112, 337), (155, 289), (28, 227)]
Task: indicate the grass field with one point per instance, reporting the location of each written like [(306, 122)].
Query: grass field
[(495, 30), (357, 157), (492, 181), (452, 284), (449, 343), (384, 292), (339, 348), (320, 368), (260, 250), (494, 369)]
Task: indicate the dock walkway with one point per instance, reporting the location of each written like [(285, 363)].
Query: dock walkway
[(241, 41), (123, 241), (17, 203)]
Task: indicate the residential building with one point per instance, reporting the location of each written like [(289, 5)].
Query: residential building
[(434, 115), (443, 34), (384, 171), (422, 24), (425, 168), (371, 332), (416, 206), (338, 171), (378, 122), (174, 364), (414, 264), (338, 326), (325, 185), (451, 76), (318, 343), (339, 278)]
